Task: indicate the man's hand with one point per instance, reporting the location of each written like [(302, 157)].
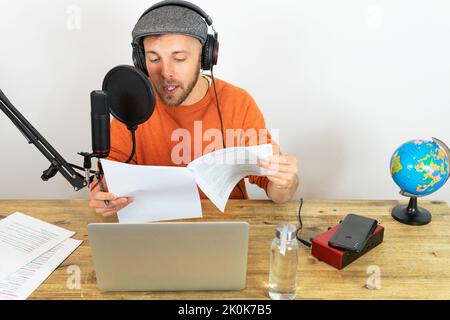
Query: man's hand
[(282, 172), (98, 198)]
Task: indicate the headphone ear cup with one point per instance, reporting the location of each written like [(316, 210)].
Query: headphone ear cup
[(139, 58), (209, 53)]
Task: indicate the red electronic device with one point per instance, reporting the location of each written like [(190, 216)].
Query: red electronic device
[(339, 258)]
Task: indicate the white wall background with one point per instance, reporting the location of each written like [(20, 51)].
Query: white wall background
[(346, 82)]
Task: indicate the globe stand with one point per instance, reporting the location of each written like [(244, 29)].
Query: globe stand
[(411, 214)]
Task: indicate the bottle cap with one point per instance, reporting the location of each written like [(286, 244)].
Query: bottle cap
[(290, 230)]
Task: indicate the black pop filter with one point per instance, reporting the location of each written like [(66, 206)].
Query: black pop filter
[(130, 96)]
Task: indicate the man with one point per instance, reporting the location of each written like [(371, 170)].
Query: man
[(186, 113)]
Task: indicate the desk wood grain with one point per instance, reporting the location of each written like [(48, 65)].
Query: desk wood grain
[(414, 262)]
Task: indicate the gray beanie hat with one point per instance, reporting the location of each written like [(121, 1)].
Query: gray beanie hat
[(173, 20)]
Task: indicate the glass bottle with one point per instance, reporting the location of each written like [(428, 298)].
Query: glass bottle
[(283, 263)]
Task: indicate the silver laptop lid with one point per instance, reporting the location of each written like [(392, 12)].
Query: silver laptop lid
[(170, 256)]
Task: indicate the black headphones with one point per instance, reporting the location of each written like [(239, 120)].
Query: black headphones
[(210, 50)]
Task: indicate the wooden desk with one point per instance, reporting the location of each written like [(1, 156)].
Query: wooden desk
[(414, 261)]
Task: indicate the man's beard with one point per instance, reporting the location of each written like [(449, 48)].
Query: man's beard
[(174, 101)]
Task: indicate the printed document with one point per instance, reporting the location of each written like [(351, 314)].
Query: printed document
[(24, 238), (168, 193), (20, 284)]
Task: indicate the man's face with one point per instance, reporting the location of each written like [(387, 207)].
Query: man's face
[(173, 64)]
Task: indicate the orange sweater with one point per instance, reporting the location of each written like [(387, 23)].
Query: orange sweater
[(160, 140)]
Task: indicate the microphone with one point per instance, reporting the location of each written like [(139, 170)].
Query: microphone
[(130, 96), (100, 124)]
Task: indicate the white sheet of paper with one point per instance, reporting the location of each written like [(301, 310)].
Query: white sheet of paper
[(24, 238), (20, 284), (218, 172), (160, 193)]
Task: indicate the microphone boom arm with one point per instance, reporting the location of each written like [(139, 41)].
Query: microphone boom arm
[(58, 164)]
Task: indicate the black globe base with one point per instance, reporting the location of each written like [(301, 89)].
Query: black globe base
[(411, 214)]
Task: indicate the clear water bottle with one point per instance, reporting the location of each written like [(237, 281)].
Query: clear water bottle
[(283, 263)]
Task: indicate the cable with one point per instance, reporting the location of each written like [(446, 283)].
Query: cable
[(133, 138), (221, 122), (218, 109), (299, 229)]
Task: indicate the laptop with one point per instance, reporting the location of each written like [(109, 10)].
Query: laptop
[(170, 256)]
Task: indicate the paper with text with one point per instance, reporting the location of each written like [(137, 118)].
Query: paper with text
[(169, 193), (160, 193), (218, 172), (24, 238), (20, 284)]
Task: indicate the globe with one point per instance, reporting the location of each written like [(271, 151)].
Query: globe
[(419, 168)]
